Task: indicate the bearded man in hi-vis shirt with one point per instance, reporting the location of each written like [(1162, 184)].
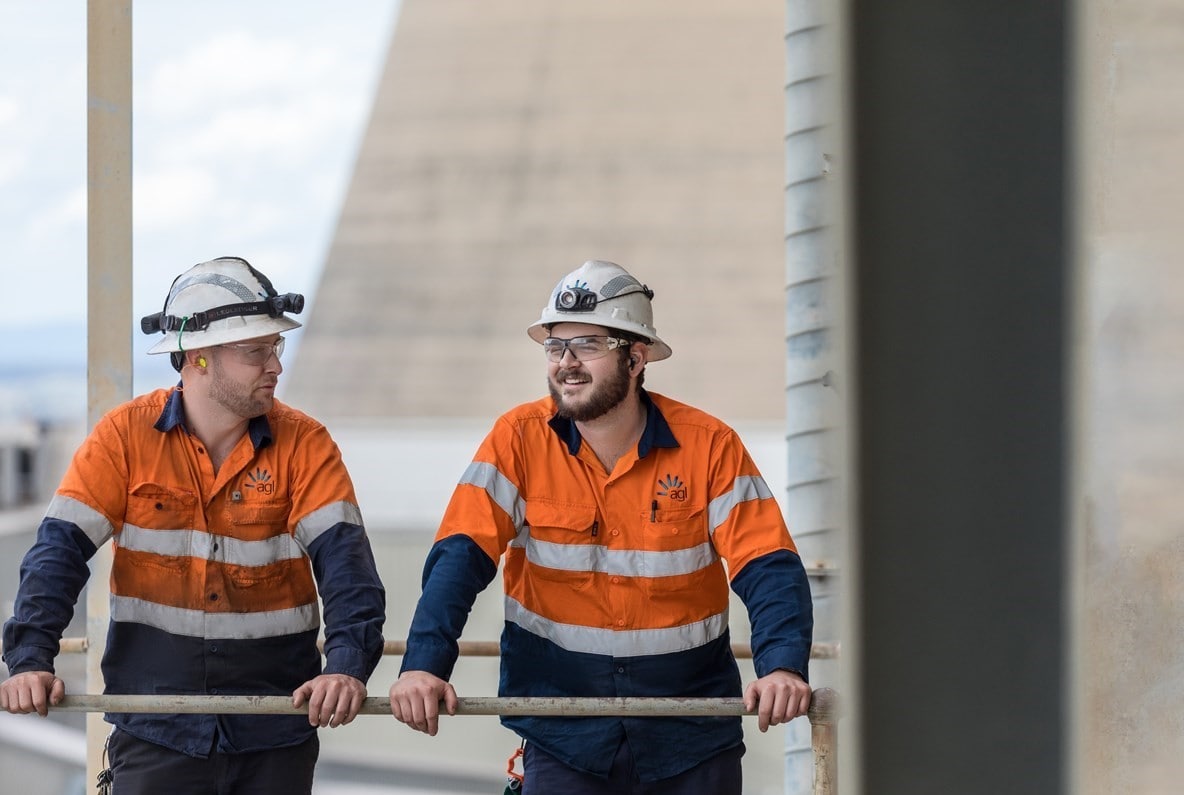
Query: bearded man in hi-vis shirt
[(623, 516)]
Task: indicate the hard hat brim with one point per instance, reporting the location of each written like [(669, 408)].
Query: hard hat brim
[(235, 330)]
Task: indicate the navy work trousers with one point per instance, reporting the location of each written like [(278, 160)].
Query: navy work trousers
[(543, 774), (143, 768)]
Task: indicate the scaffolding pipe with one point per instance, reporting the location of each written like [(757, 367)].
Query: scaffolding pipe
[(823, 714), (109, 278), (492, 648), (479, 705)]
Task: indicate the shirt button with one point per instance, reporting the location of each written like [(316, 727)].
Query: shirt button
[(213, 597), (214, 649), (621, 670), (616, 579), (213, 691), (620, 622), (616, 532)]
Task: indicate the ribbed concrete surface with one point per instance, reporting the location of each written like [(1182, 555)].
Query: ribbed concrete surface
[(510, 142)]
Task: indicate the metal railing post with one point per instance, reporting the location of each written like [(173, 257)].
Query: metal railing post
[(824, 740)]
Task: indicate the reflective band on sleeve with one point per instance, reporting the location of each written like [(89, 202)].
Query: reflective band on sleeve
[(618, 643), (499, 488), (91, 522), (198, 544), (199, 624), (749, 487), (311, 526)]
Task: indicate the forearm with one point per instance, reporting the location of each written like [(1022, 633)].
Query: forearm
[(776, 592), (53, 574), (456, 571), (353, 599)]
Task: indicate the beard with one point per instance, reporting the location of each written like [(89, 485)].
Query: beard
[(235, 397), (605, 396)]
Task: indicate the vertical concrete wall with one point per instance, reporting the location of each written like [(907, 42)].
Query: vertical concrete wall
[(511, 141)]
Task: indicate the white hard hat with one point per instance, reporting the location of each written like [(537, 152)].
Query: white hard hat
[(602, 294), (223, 300)]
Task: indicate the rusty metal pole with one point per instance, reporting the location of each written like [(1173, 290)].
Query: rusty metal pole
[(824, 714), (109, 283)]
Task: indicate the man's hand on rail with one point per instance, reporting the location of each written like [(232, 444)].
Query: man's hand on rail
[(778, 697), (333, 699), (31, 691), (416, 697)]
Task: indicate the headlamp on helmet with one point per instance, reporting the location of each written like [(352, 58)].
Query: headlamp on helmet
[(272, 306), (219, 302), (602, 293)]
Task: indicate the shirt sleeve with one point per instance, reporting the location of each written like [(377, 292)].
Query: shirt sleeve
[(749, 532), (776, 593), (53, 574), (353, 597), (85, 511), (328, 524), (456, 571)]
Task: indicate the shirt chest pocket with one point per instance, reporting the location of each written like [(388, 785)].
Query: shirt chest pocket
[(258, 521), (259, 547), (561, 543), (159, 527), (679, 553), (155, 507)]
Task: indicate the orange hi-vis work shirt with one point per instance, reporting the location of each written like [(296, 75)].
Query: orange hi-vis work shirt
[(617, 583), (214, 577)]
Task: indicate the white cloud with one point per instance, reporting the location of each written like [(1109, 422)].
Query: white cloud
[(171, 197), (8, 111), (237, 67), (246, 118), (63, 218)]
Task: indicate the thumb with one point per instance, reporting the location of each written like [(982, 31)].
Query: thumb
[(299, 694), (57, 691)]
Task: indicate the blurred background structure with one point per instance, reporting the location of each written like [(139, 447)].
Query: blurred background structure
[(988, 212)]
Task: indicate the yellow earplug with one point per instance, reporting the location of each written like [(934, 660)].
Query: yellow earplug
[(201, 361)]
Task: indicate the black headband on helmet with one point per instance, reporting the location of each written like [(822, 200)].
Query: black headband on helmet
[(581, 299), (272, 306)]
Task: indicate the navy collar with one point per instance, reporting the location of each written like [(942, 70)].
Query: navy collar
[(657, 431), (173, 416)]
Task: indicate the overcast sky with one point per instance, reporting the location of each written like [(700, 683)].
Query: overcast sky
[(246, 120)]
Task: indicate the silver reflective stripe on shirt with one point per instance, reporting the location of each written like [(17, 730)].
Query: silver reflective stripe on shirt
[(87, 519), (309, 528), (624, 562), (499, 488), (199, 624), (198, 544), (749, 487), (618, 643)]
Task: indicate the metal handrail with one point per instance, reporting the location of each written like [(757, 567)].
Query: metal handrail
[(491, 648), (568, 706), (823, 713)]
